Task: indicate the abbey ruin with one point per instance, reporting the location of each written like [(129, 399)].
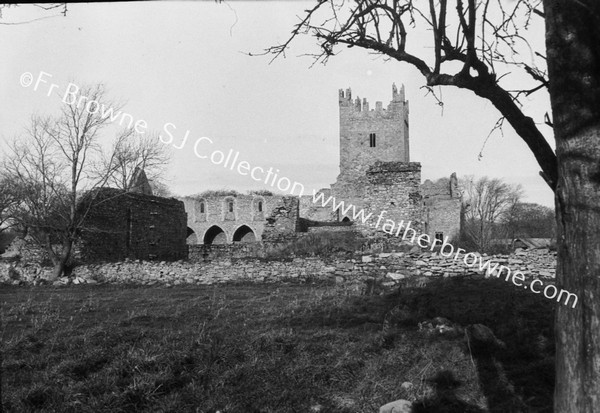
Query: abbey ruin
[(377, 179), (376, 175)]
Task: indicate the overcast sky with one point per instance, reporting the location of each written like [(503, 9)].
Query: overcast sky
[(186, 63)]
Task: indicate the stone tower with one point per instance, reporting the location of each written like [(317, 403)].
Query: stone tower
[(371, 135), (368, 136)]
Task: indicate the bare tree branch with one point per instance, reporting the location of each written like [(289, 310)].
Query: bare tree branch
[(364, 22)]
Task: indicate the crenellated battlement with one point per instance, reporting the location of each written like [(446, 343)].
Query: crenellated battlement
[(397, 104), (368, 135)]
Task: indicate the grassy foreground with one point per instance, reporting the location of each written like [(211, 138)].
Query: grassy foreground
[(270, 348)]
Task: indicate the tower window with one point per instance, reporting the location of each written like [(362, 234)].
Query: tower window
[(439, 236), (230, 206), (202, 207), (259, 206), (372, 142)]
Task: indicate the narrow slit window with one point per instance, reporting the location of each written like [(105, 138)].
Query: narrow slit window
[(372, 138), (259, 206), (230, 206), (202, 207)]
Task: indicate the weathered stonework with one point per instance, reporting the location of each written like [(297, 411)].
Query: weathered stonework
[(239, 218), (358, 124), (284, 220), (314, 211), (376, 176), (393, 191), (441, 208), (359, 273), (133, 225)]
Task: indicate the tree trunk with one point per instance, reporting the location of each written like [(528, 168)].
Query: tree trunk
[(578, 329), (61, 263), (573, 54)]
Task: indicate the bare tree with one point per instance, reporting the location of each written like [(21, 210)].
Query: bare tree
[(159, 188), (60, 7), (9, 202), (469, 42), (132, 151), (530, 220), (486, 203), (52, 166)]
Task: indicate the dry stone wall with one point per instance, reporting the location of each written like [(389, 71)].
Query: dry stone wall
[(385, 269)]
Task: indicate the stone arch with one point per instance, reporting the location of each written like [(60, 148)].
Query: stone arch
[(215, 235), (346, 219), (192, 238), (244, 234)]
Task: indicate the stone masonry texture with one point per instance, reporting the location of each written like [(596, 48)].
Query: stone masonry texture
[(122, 225)]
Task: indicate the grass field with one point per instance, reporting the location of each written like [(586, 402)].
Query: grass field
[(270, 348)]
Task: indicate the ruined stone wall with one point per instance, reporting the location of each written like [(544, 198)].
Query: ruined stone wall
[(441, 208), (393, 187), (349, 228), (387, 269), (123, 225), (443, 218), (283, 222), (315, 211), (374, 176), (27, 251), (204, 253), (215, 212)]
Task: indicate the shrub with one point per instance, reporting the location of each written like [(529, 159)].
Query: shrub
[(217, 192), (261, 192)]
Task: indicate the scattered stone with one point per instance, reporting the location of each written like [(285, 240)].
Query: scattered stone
[(12, 273), (440, 326), (395, 276), (414, 250), (388, 269), (398, 406)]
